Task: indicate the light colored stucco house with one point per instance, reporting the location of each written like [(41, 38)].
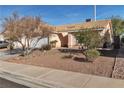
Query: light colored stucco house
[(64, 34)]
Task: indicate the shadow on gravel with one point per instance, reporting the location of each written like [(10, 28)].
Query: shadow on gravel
[(80, 59)]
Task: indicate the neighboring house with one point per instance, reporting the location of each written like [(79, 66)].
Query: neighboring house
[(35, 42), (64, 34), (1, 37)]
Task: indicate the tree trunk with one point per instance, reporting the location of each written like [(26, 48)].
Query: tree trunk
[(28, 46), (23, 48), (48, 40)]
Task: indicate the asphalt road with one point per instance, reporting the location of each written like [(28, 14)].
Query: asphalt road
[(8, 84)]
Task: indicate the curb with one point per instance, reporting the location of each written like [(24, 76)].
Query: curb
[(29, 81)]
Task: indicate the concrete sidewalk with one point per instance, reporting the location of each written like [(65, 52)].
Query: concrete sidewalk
[(33, 76)]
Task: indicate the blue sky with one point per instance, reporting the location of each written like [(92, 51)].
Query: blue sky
[(58, 15)]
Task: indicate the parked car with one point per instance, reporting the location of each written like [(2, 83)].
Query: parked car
[(3, 44)]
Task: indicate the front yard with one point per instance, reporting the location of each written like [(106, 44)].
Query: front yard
[(102, 66)]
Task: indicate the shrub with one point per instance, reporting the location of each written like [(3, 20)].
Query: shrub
[(88, 38), (46, 47), (91, 54), (53, 43)]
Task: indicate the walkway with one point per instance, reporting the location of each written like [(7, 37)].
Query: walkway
[(33, 76)]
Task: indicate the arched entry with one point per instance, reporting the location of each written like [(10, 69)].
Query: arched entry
[(64, 39)]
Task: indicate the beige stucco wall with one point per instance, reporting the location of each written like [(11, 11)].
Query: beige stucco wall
[(71, 40), (102, 33), (64, 34), (55, 37), (110, 32)]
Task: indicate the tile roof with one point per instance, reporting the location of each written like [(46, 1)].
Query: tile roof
[(72, 27), (92, 24)]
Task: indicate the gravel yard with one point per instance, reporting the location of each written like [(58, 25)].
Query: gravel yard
[(118, 71), (102, 66)]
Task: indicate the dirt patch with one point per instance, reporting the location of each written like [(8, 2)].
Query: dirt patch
[(102, 66)]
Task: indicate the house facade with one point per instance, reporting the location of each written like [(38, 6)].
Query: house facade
[(64, 34)]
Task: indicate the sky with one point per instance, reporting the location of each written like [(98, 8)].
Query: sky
[(63, 14)]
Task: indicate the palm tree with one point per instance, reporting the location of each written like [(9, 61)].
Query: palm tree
[(117, 25)]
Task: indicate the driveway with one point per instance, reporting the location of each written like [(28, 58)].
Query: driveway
[(4, 53)]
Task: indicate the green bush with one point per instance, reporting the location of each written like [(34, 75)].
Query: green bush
[(91, 54), (88, 38)]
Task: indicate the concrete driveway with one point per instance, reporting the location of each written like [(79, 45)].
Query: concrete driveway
[(5, 53)]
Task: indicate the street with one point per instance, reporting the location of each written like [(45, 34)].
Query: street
[(8, 84)]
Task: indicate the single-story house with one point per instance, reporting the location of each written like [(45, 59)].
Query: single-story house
[(64, 34)]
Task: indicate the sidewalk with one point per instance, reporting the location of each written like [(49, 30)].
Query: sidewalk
[(33, 76)]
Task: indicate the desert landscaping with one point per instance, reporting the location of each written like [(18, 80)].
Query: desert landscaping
[(31, 48), (102, 66)]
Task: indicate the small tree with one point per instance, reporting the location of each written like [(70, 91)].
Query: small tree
[(24, 29), (90, 39)]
